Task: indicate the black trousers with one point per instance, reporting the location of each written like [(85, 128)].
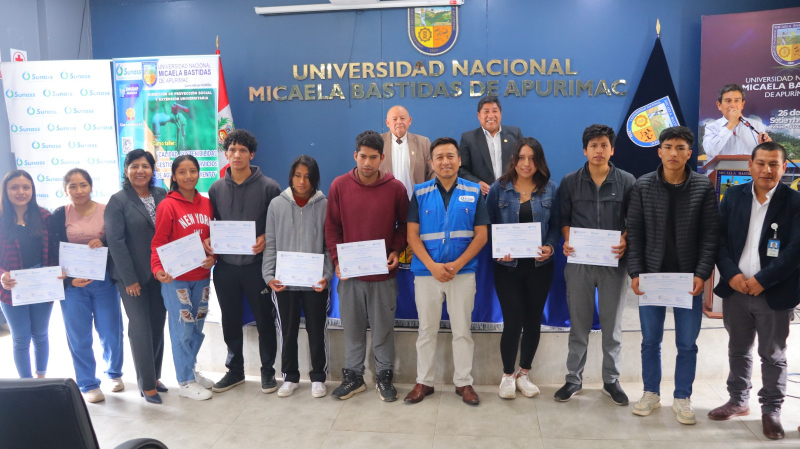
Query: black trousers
[(231, 282), (522, 292), (146, 318), (315, 307)]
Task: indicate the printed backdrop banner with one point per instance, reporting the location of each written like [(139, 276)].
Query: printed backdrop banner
[(168, 107), (61, 116), (761, 51)]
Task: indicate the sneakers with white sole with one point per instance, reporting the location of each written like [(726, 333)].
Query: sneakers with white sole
[(684, 412), (508, 387), (318, 389), (649, 402), (95, 395), (526, 387), (194, 391), (204, 381), (117, 384), (287, 389)]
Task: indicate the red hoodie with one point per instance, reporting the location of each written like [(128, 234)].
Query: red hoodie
[(358, 212), (178, 217)]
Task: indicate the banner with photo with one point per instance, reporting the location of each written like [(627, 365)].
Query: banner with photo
[(61, 116), (168, 107), (760, 51)]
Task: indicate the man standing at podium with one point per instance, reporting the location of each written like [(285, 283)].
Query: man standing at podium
[(732, 134), (759, 261)]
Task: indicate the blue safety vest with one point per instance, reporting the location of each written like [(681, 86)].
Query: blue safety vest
[(446, 233)]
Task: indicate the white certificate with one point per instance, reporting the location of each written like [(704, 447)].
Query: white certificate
[(299, 269), (520, 240), (37, 285), (182, 255), (593, 246), (362, 258), (666, 289), (82, 262), (233, 237)]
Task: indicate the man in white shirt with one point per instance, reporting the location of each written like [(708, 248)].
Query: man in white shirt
[(730, 134), (759, 262), (407, 155)]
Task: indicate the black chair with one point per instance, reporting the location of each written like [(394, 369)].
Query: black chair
[(50, 413)]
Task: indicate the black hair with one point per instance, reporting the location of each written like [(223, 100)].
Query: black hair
[(369, 139), (730, 88), (770, 146), (33, 215), (77, 171), (176, 163), (677, 132), (542, 175), (241, 137), (313, 171), (489, 99), (444, 141), (595, 131), (136, 155)]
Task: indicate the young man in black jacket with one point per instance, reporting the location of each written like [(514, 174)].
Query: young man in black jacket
[(759, 260), (672, 228)]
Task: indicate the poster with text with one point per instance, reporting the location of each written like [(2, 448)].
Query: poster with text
[(168, 107)]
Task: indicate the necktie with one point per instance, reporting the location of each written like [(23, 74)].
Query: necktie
[(399, 141)]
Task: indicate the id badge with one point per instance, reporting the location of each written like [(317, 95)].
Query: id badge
[(773, 247)]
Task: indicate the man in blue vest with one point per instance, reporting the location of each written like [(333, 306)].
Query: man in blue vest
[(447, 227)]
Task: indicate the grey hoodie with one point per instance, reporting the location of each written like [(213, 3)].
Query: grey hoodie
[(298, 229), (247, 201)]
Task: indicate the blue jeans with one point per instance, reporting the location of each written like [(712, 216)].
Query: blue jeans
[(687, 328), (98, 302), (187, 306), (29, 322)]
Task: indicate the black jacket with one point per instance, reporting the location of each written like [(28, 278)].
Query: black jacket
[(582, 205), (57, 230), (696, 223), (476, 163), (780, 276)]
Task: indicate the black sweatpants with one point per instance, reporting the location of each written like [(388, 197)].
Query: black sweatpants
[(231, 282), (522, 292), (315, 307)]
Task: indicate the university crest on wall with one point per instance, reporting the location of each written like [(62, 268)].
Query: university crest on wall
[(433, 30)]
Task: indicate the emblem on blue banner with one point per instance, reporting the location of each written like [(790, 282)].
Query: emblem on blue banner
[(150, 72), (433, 30), (786, 43), (646, 123)]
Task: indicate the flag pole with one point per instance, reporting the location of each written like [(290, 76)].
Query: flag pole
[(658, 31)]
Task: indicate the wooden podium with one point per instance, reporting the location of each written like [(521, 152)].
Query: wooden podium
[(724, 172)]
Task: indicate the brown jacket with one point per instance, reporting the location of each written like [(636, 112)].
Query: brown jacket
[(420, 147)]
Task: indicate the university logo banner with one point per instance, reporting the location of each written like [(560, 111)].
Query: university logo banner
[(645, 124), (786, 43), (433, 30)]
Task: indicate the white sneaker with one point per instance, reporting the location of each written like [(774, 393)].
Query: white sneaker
[(508, 387), (95, 395), (684, 412), (318, 389), (649, 402), (287, 389), (204, 381), (194, 391), (526, 387), (117, 384)]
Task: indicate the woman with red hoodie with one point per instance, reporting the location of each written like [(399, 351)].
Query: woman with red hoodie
[(183, 212)]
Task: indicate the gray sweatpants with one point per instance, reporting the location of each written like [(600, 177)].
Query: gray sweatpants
[(360, 301), (611, 284)]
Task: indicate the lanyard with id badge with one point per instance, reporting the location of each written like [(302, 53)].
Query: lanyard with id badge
[(774, 245)]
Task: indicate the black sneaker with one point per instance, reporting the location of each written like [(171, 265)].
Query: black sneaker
[(616, 394), (268, 383), (228, 381), (566, 392), (351, 384), (386, 390)]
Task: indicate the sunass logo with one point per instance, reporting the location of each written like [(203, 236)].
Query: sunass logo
[(20, 162), (57, 161), (26, 76), (32, 111), (64, 75), (129, 71), (48, 93), (34, 77), (60, 194), (13, 94), (24, 129), (98, 161), (36, 145), (45, 146), (70, 110), (44, 178), (56, 128), (40, 178), (93, 93), (81, 145), (29, 163), (96, 127)]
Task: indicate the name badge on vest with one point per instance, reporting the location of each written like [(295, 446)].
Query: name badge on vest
[(774, 245), (466, 199)]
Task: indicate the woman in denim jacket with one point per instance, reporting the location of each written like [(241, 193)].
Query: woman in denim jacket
[(524, 194)]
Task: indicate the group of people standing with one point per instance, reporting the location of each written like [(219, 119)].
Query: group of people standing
[(438, 199)]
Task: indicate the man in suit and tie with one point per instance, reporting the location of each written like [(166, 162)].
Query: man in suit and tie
[(759, 260), (485, 151), (407, 155)]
